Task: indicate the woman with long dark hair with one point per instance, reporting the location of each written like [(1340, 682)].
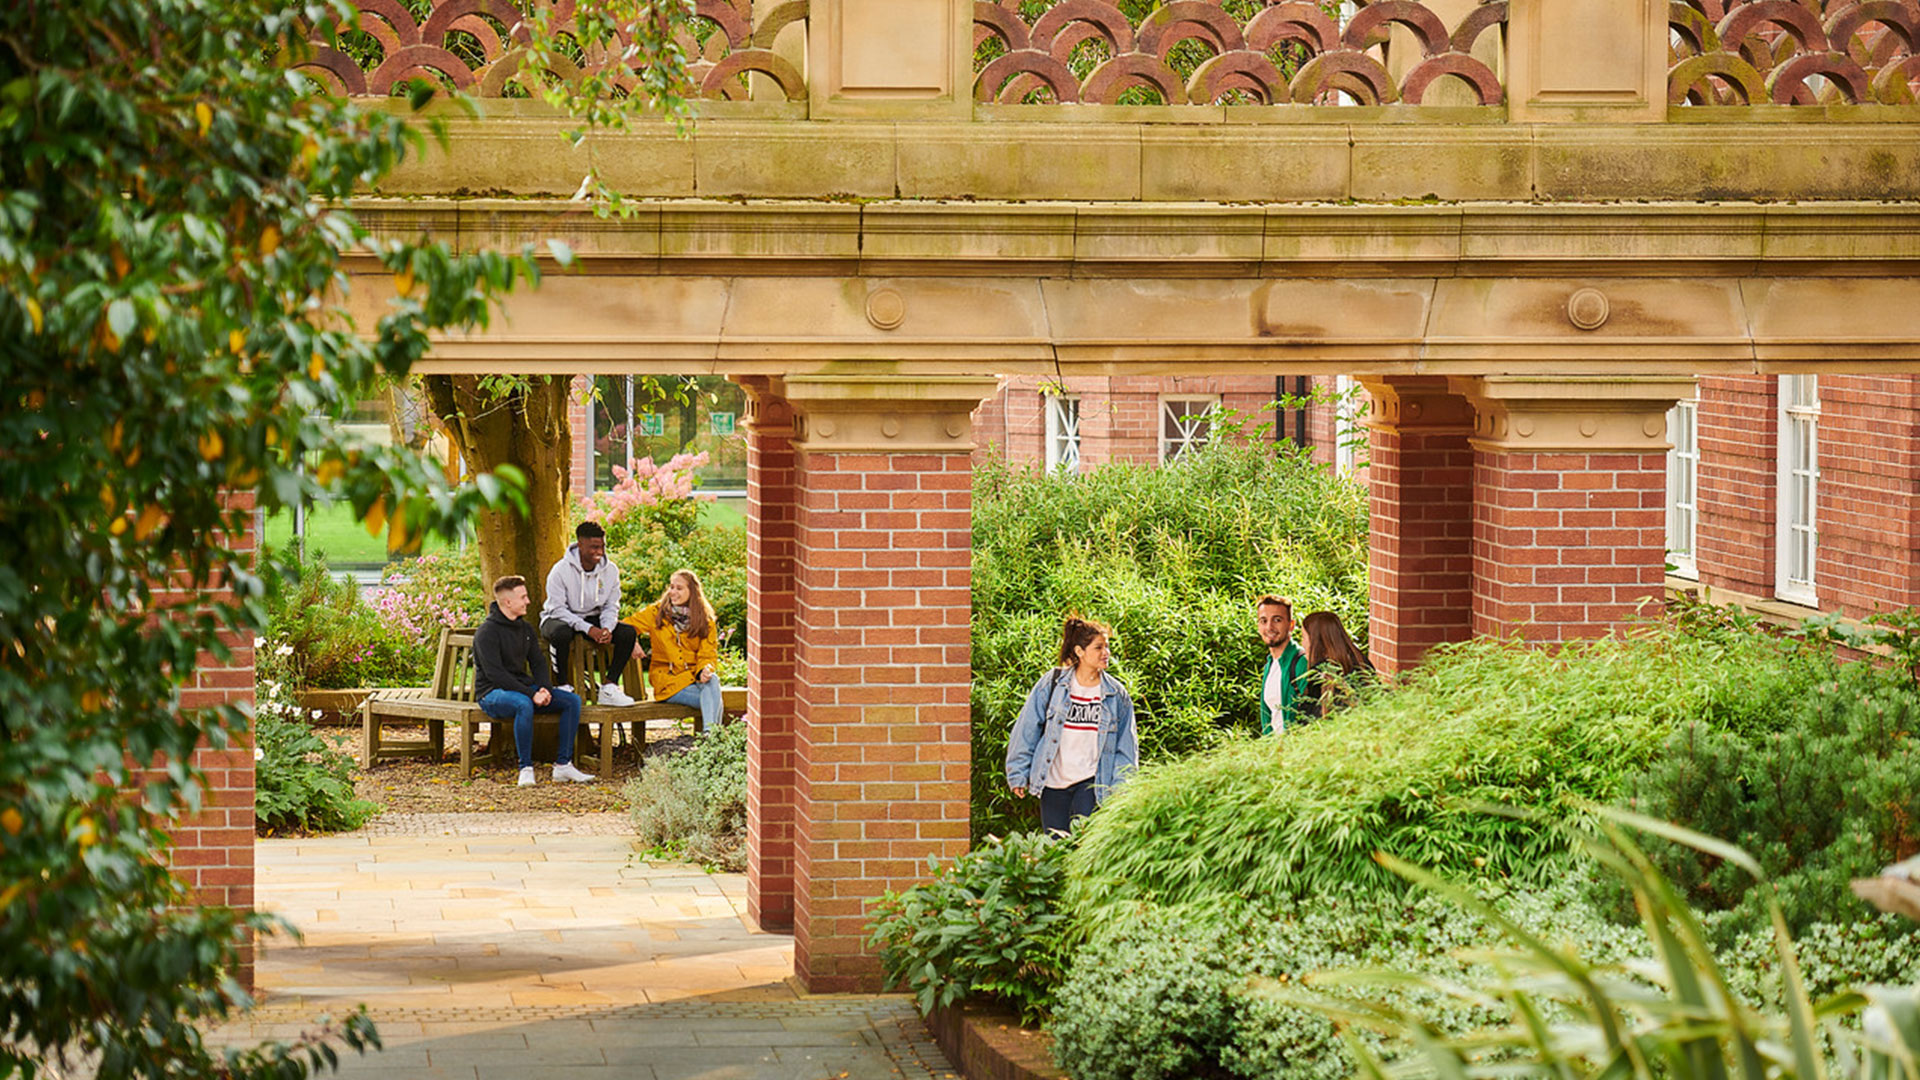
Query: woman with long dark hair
[(1074, 740), (1336, 668), (679, 628)]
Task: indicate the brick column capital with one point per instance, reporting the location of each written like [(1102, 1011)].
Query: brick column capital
[(1571, 414), (768, 410), (886, 414)]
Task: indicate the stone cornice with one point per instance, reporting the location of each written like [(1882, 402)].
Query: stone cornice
[(1281, 156), (1094, 239)]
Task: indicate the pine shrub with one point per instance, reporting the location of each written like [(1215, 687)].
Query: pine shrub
[(694, 804)]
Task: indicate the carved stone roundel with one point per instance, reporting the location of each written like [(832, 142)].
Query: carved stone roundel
[(1587, 309), (886, 309)]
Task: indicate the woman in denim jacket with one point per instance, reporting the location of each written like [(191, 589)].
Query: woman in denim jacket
[(1074, 740)]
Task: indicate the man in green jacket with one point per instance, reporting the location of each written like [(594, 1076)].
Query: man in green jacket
[(1280, 682)]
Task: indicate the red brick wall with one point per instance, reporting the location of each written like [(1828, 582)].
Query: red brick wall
[(1737, 435), (1567, 543), (882, 666), (1120, 417), (580, 415), (1420, 547), (213, 849), (771, 510), (1869, 456)]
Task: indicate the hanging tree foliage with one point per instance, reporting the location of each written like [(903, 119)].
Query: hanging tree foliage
[(173, 236)]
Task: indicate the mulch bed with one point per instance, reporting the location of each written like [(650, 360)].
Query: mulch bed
[(419, 786)]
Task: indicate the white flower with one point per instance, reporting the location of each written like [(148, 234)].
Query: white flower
[(284, 650), (317, 714), (258, 753), (259, 641)]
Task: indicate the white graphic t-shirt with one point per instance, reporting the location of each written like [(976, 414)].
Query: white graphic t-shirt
[(1079, 755)]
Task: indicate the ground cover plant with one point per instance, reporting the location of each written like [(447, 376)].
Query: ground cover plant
[(1172, 557), (693, 805), (301, 781), (1674, 1013)]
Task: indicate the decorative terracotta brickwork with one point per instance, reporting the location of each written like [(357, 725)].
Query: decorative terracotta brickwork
[(1420, 551), (1758, 52), (1566, 545), (771, 509), (477, 46), (1321, 61), (883, 577)]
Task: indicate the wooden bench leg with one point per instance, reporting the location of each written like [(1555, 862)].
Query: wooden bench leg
[(606, 749), (466, 749), (437, 735), (369, 735)]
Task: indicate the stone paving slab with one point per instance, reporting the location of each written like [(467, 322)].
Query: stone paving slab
[(493, 946)]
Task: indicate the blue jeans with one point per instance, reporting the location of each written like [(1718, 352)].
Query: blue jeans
[(704, 696), (506, 704)]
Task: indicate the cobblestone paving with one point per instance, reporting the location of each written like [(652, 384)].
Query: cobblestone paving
[(492, 946)]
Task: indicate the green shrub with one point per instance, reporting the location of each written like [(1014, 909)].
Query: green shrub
[(1827, 795), (322, 634), (694, 804), (1487, 722), (1172, 558), (299, 782), (986, 925), (1160, 993)]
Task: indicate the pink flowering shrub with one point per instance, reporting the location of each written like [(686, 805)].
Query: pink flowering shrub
[(649, 496), (419, 596)]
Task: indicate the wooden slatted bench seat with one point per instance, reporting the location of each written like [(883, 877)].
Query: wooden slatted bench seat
[(450, 702)]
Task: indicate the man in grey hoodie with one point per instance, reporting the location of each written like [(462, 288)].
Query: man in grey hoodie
[(583, 597)]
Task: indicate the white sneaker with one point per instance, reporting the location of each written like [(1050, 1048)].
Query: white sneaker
[(614, 696), (526, 776), (567, 686), (568, 772)]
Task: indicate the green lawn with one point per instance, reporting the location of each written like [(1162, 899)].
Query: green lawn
[(332, 532)]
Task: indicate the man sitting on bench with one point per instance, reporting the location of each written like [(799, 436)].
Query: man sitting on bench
[(583, 597), (510, 680)]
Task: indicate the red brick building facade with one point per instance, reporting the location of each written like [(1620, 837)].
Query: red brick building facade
[(1836, 528)]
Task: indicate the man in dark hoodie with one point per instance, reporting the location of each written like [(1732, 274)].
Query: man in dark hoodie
[(583, 597), (510, 680)]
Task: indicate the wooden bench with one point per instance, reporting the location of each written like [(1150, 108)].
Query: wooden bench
[(450, 701)]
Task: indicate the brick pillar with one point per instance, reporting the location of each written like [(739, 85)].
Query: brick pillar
[(580, 419), (1569, 510), (1420, 549), (883, 576), (213, 849), (770, 702)]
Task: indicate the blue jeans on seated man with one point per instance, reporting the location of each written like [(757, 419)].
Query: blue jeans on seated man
[(508, 705), (704, 696)]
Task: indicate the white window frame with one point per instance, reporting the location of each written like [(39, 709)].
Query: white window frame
[(1063, 431), (1195, 427), (1683, 487), (1797, 538)]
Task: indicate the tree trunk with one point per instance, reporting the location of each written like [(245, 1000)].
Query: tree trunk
[(525, 426)]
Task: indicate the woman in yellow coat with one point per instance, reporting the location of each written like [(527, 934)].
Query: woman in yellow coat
[(679, 628)]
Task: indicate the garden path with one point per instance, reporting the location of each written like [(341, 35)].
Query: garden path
[(537, 946)]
